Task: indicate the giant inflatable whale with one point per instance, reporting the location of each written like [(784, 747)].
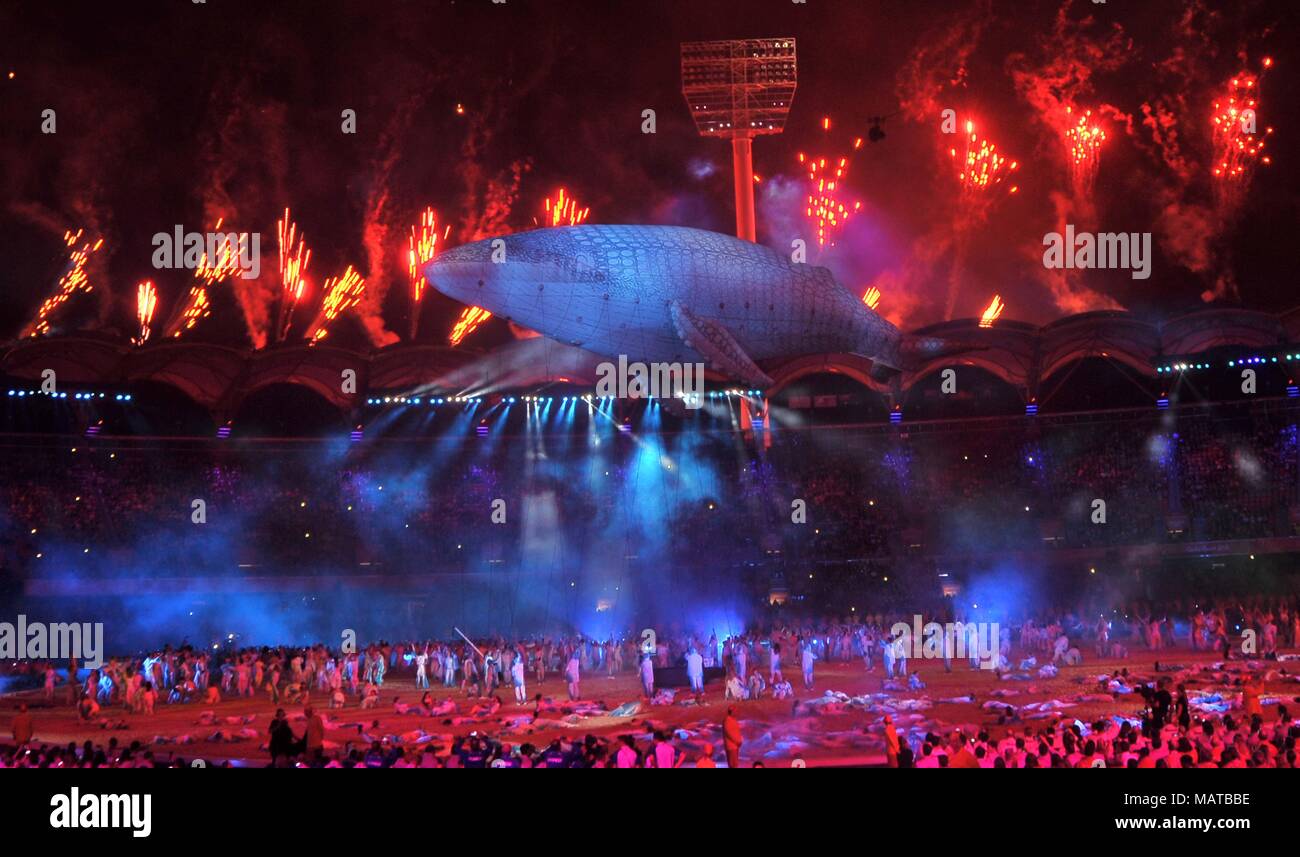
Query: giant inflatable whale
[(670, 294)]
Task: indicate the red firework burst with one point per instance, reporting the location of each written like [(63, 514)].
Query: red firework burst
[(1238, 139)]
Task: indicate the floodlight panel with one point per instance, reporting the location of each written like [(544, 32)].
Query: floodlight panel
[(742, 87)]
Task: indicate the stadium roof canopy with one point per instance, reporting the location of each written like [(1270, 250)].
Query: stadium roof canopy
[(219, 378)]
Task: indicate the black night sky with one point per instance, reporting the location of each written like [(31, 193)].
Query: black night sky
[(178, 112)]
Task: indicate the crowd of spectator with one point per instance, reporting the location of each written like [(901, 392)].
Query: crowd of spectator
[(809, 496)]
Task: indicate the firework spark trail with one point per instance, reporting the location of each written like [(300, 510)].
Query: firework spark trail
[(980, 171), (187, 314), (992, 312), (1238, 141), (74, 279), (293, 265), (980, 168), (825, 208), (146, 301), (871, 297), (225, 263), (341, 293), (470, 319), (422, 246), (563, 210), (1083, 139), (245, 147), (1060, 69)]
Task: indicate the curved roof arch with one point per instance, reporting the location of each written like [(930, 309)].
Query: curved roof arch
[(205, 373), (80, 359), (219, 377), (1213, 327), (849, 365), (1006, 350), (320, 368), (1015, 376), (414, 366), (1110, 334)]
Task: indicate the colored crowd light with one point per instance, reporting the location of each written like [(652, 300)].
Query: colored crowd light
[(82, 396)]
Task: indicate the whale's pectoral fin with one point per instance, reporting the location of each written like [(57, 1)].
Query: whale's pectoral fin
[(717, 345)]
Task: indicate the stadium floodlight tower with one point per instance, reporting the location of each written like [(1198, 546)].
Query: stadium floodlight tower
[(740, 89)]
